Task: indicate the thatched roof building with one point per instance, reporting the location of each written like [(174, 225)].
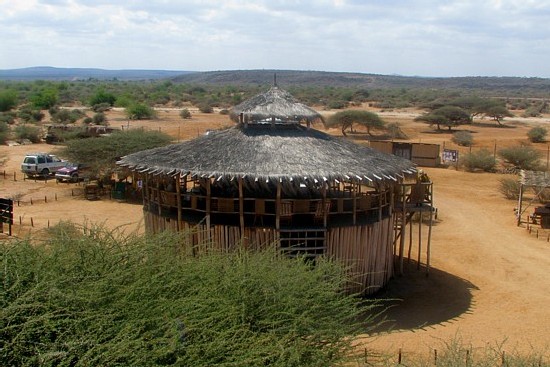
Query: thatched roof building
[(270, 179), (291, 153), (274, 105)]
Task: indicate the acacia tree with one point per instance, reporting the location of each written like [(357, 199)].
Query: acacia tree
[(346, 119), (449, 116), (497, 113)]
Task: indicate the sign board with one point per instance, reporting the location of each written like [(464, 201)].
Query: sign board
[(450, 155)]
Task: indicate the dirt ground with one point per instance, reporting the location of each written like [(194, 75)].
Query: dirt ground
[(488, 282)]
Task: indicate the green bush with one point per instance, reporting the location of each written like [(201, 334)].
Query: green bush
[(206, 108), (98, 299), (99, 119), (509, 187), (522, 157), (537, 134), (27, 131), (481, 160), (101, 107), (64, 116), (4, 132), (8, 117), (463, 138), (29, 114), (139, 111), (532, 111), (8, 100), (185, 114)]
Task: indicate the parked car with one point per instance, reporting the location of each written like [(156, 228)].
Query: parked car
[(41, 164), (73, 172)]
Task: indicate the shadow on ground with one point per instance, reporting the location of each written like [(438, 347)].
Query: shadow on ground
[(416, 300)]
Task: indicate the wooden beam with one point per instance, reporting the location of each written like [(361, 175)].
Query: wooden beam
[(520, 203), (278, 207), (178, 199), (241, 209)]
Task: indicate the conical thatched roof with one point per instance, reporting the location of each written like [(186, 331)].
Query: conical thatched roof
[(275, 104), (266, 153)]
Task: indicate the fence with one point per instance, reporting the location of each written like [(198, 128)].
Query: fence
[(493, 148)]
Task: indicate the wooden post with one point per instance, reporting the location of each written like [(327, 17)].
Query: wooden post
[(325, 211), (354, 201), (428, 246), (403, 229), (241, 208), (520, 202), (159, 211), (420, 238), (178, 200), (278, 207), (208, 206)]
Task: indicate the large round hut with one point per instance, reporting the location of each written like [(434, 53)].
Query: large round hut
[(270, 179)]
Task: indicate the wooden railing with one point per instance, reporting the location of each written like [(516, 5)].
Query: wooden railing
[(255, 206)]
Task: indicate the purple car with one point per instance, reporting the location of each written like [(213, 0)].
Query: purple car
[(70, 173)]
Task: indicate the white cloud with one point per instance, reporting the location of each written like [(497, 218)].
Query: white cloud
[(416, 37)]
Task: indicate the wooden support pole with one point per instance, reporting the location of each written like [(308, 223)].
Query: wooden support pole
[(208, 207), (520, 202), (278, 207), (354, 201), (430, 225), (419, 239), (403, 229), (325, 211), (178, 200), (241, 209)]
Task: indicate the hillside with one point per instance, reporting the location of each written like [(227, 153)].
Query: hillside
[(504, 86), (360, 80)]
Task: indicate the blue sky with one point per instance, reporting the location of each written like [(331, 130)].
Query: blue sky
[(416, 37)]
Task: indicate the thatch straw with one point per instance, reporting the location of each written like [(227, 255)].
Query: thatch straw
[(267, 153), (274, 104)]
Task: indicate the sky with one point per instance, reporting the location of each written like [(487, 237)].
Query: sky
[(434, 38)]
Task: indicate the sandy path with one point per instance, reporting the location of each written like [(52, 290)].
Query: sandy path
[(489, 280)]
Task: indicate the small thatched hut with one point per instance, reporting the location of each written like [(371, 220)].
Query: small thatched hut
[(269, 179)]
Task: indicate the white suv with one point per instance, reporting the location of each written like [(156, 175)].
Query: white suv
[(41, 164)]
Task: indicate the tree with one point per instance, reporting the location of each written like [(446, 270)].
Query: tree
[(497, 113), (449, 116), (474, 105), (8, 100), (346, 119), (101, 96), (102, 153), (45, 98), (140, 111)]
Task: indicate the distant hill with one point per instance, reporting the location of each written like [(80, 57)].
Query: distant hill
[(51, 73), (286, 78), (338, 79)]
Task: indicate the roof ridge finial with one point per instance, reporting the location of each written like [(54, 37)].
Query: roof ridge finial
[(274, 79)]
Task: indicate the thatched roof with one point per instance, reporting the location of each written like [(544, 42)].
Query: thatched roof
[(274, 104), (263, 152)]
